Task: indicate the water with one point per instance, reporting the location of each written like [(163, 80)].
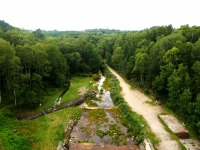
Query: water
[(100, 86), (90, 122), (106, 99)]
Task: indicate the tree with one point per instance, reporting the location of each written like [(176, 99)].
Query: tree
[(172, 56), (117, 59), (174, 88), (59, 69), (129, 67), (196, 78), (185, 102), (20, 37), (108, 58), (38, 34), (141, 62), (106, 45), (178, 87), (35, 68), (9, 66), (74, 60)]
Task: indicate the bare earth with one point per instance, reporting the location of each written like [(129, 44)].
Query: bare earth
[(137, 101), (82, 91)]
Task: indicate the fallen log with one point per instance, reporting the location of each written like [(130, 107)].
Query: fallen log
[(74, 102)]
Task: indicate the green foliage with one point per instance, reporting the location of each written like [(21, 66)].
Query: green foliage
[(163, 60), (10, 132), (34, 63), (41, 133), (59, 72), (141, 62), (17, 142), (160, 58), (101, 133)]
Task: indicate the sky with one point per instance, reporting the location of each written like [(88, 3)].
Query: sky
[(95, 14)]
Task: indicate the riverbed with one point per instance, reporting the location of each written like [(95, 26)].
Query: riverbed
[(100, 123)]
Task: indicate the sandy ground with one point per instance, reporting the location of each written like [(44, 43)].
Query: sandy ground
[(82, 91), (137, 101)]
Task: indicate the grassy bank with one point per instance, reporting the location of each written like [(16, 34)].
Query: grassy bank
[(72, 93), (43, 133), (51, 128), (137, 126), (54, 93)]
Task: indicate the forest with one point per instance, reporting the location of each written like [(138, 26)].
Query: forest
[(31, 62), (162, 60)]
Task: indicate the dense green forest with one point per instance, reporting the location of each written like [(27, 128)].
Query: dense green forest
[(162, 60), (31, 62)]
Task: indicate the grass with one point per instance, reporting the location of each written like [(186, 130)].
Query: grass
[(96, 116), (49, 99), (76, 83), (50, 128), (14, 134), (43, 133)]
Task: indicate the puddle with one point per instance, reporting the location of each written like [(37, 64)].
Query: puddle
[(106, 100)]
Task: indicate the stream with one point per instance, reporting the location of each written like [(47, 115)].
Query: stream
[(99, 124), (104, 95)]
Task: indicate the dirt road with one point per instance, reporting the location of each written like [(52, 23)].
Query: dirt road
[(137, 101)]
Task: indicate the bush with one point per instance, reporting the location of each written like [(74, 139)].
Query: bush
[(118, 99), (15, 142), (9, 135)]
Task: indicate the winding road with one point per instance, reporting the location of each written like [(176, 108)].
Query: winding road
[(138, 102)]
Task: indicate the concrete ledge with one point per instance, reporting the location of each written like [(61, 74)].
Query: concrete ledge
[(191, 144), (175, 126)]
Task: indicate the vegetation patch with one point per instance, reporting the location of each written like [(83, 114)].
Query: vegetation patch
[(91, 103), (54, 93), (50, 129), (76, 84), (96, 116), (42, 133), (101, 133), (15, 134)]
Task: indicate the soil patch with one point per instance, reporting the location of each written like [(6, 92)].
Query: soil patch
[(83, 91)]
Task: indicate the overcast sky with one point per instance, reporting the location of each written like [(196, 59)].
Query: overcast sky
[(90, 14)]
